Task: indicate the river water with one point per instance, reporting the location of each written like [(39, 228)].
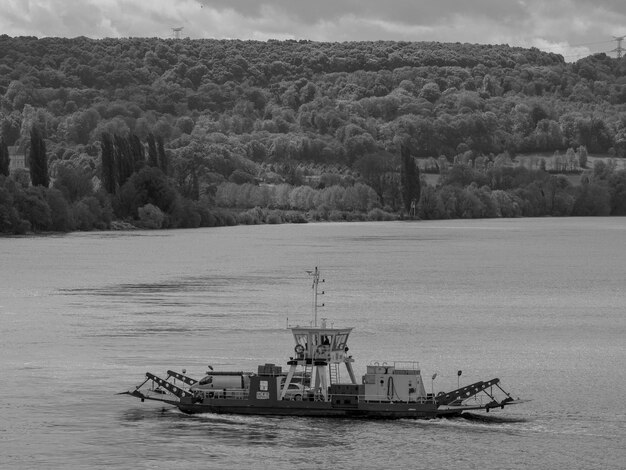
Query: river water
[(539, 303)]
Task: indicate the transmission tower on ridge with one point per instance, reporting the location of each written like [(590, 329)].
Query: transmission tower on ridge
[(619, 49), (177, 32)]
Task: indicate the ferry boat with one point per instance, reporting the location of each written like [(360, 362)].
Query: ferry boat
[(312, 384)]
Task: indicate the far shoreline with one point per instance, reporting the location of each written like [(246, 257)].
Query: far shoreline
[(127, 227)]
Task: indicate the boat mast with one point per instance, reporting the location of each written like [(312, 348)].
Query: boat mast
[(316, 281)]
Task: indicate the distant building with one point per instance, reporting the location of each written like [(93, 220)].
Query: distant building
[(17, 158)]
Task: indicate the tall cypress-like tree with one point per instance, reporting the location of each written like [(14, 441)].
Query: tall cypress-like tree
[(163, 162), (37, 159), (410, 180), (139, 153), (5, 160), (153, 157), (109, 167), (123, 158)]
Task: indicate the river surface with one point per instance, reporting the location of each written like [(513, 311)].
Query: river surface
[(539, 303)]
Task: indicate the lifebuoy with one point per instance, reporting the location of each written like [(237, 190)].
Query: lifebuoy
[(299, 349)]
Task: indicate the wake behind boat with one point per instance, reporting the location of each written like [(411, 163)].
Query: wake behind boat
[(313, 384)]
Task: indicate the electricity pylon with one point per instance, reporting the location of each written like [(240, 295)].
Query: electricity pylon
[(619, 49), (177, 32)]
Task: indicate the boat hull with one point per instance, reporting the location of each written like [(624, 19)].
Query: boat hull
[(363, 410)]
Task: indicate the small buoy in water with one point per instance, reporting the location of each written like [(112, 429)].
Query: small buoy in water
[(184, 371)]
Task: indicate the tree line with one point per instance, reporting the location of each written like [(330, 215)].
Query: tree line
[(136, 187), (210, 114)]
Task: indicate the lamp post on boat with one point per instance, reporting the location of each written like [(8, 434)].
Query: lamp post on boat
[(432, 386)]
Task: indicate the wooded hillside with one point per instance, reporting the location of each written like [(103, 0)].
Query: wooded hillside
[(306, 126)]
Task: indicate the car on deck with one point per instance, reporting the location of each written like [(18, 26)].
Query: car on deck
[(295, 391)]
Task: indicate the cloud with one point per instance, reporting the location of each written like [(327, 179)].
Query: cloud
[(563, 26), (397, 11)]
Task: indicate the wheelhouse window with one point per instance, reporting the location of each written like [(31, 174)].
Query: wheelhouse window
[(340, 341), (302, 340)]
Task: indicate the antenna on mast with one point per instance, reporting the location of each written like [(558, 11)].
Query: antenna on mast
[(316, 292)]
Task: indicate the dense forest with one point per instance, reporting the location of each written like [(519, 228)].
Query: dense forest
[(148, 132)]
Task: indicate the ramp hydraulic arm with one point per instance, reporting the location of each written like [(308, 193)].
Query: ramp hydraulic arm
[(179, 392), (181, 377), (465, 392)]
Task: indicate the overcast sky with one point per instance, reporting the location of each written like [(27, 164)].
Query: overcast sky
[(573, 28)]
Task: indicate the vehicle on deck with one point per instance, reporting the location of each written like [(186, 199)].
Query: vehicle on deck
[(295, 391)]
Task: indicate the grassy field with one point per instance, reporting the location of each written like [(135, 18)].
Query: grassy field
[(526, 159)]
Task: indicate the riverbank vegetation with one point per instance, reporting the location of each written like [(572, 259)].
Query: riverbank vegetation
[(185, 133)]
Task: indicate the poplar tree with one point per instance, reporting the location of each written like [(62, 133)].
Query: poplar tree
[(109, 167), (153, 158), (123, 158), (37, 159), (139, 153), (410, 179), (163, 162), (4, 158)]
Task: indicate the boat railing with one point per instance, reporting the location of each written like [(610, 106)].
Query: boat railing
[(382, 398), (398, 365), (232, 394), (386, 399)]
